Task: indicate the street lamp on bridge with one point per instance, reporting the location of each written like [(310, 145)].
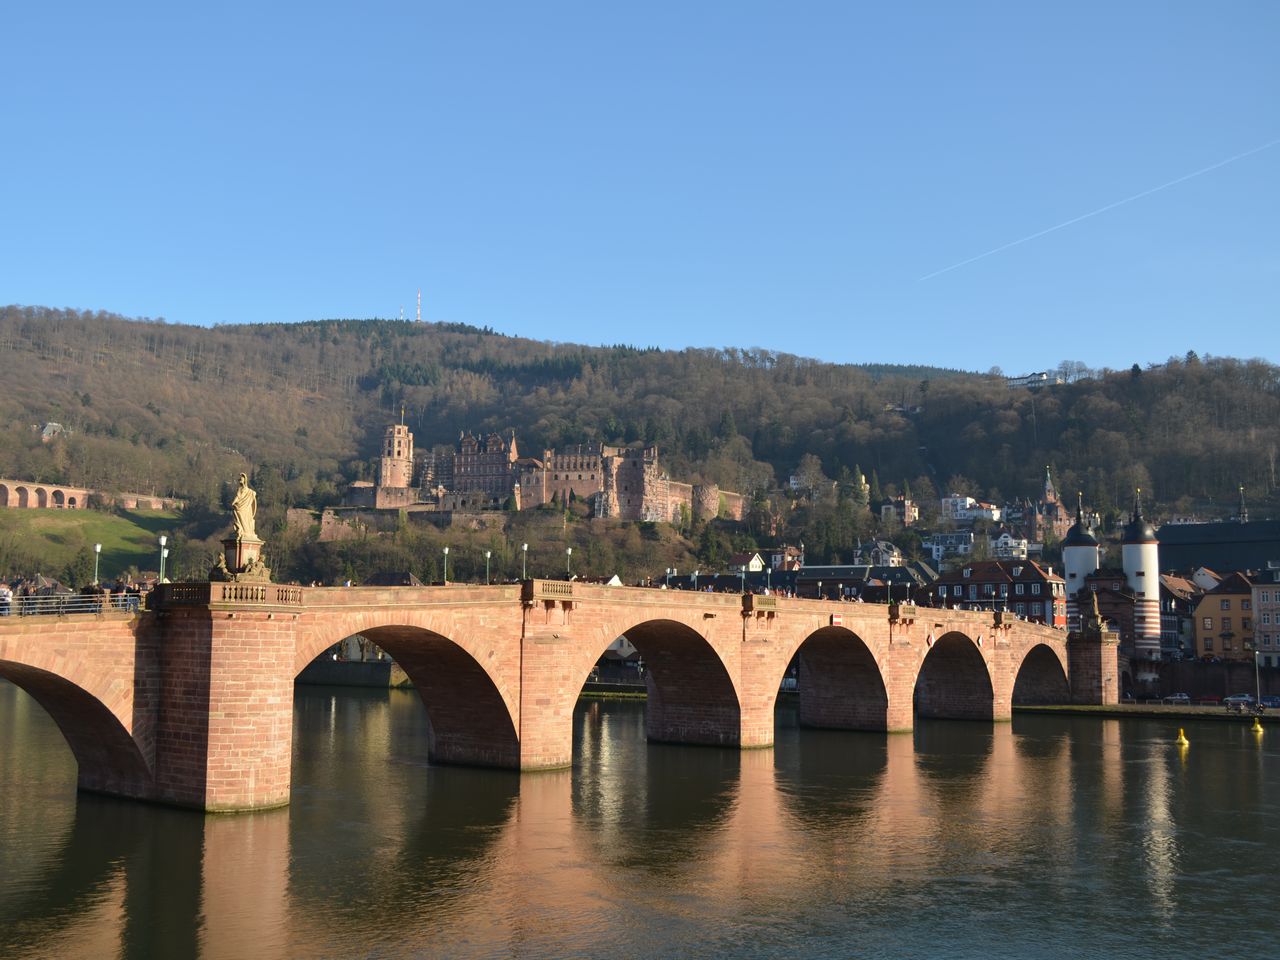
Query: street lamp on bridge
[(164, 552), (97, 552), (487, 555), (568, 561), (446, 564), (524, 561), (695, 581)]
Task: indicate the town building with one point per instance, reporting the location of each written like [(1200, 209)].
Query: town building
[(1022, 587), (1266, 614), (1178, 599), (902, 509), (1224, 620), (1004, 544), (1226, 545), (942, 546)]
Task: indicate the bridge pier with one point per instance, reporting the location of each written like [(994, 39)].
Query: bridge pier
[(225, 724)]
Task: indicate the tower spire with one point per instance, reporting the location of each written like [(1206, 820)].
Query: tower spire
[(419, 305)]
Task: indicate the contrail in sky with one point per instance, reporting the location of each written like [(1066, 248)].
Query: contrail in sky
[(1094, 213)]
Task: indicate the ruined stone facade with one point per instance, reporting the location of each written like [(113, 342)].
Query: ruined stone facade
[(627, 483)]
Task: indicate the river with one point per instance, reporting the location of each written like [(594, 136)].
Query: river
[(1045, 837)]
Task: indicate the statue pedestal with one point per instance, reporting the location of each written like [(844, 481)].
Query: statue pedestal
[(241, 560)]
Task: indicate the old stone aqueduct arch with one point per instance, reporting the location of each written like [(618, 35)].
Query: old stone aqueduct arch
[(191, 701)]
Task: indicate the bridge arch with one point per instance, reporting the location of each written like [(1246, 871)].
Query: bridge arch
[(954, 681), (691, 696), (1042, 677), (841, 686), (42, 498), (59, 499), (108, 758), (4, 495), (23, 496), (471, 717)]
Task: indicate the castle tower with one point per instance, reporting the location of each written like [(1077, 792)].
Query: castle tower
[(1140, 557), (395, 469), (1081, 556)]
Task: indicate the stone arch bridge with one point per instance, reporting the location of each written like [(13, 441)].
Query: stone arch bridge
[(191, 701)]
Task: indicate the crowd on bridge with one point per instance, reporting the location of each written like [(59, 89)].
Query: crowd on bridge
[(29, 596)]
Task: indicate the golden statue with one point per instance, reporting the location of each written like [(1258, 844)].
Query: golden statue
[(244, 510)]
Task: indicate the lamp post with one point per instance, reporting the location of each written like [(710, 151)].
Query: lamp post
[(1257, 680), (768, 578), (487, 555), (163, 553), (819, 589), (695, 581), (97, 552), (446, 565), (524, 561), (667, 582), (568, 561), (742, 573)]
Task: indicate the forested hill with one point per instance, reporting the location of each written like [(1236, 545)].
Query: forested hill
[(176, 409)]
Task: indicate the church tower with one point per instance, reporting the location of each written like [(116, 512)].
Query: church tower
[(1081, 556), (1140, 553)]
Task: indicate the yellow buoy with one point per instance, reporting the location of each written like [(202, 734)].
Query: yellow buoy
[(1257, 725), (1182, 740)]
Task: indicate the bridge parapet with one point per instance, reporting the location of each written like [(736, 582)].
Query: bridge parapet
[(203, 594)]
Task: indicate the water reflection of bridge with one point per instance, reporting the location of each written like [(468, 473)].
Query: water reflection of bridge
[(191, 701), (633, 839)]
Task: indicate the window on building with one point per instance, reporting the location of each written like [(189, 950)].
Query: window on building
[(1208, 623), (957, 591), (1208, 644), (1246, 623), (1021, 608), (1018, 588), (1226, 624), (1266, 639), (1035, 589), (1265, 597), (968, 571), (942, 591), (1004, 589), (988, 589), (1266, 618), (973, 591), (1246, 604), (1224, 604)]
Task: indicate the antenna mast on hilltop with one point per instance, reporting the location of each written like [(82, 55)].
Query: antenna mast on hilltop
[(419, 305)]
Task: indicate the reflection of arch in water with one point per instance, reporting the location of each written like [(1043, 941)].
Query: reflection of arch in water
[(470, 721), (653, 806), (1041, 678), (435, 826), (107, 756), (830, 779), (840, 682), (954, 682), (953, 758), (691, 697)]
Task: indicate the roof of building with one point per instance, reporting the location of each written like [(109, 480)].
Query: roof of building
[(982, 571), (1236, 582), (1138, 530), (1079, 534)]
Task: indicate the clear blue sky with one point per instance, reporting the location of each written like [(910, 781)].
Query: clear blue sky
[(669, 173)]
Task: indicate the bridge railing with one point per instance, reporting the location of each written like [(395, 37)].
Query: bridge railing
[(203, 593), (62, 605)]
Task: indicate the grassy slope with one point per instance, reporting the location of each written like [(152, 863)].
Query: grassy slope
[(56, 536)]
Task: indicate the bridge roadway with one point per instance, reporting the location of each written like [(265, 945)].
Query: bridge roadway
[(190, 701)]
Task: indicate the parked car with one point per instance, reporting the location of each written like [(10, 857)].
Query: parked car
[(1271, 703), (1243, 699), (1178, 699)]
